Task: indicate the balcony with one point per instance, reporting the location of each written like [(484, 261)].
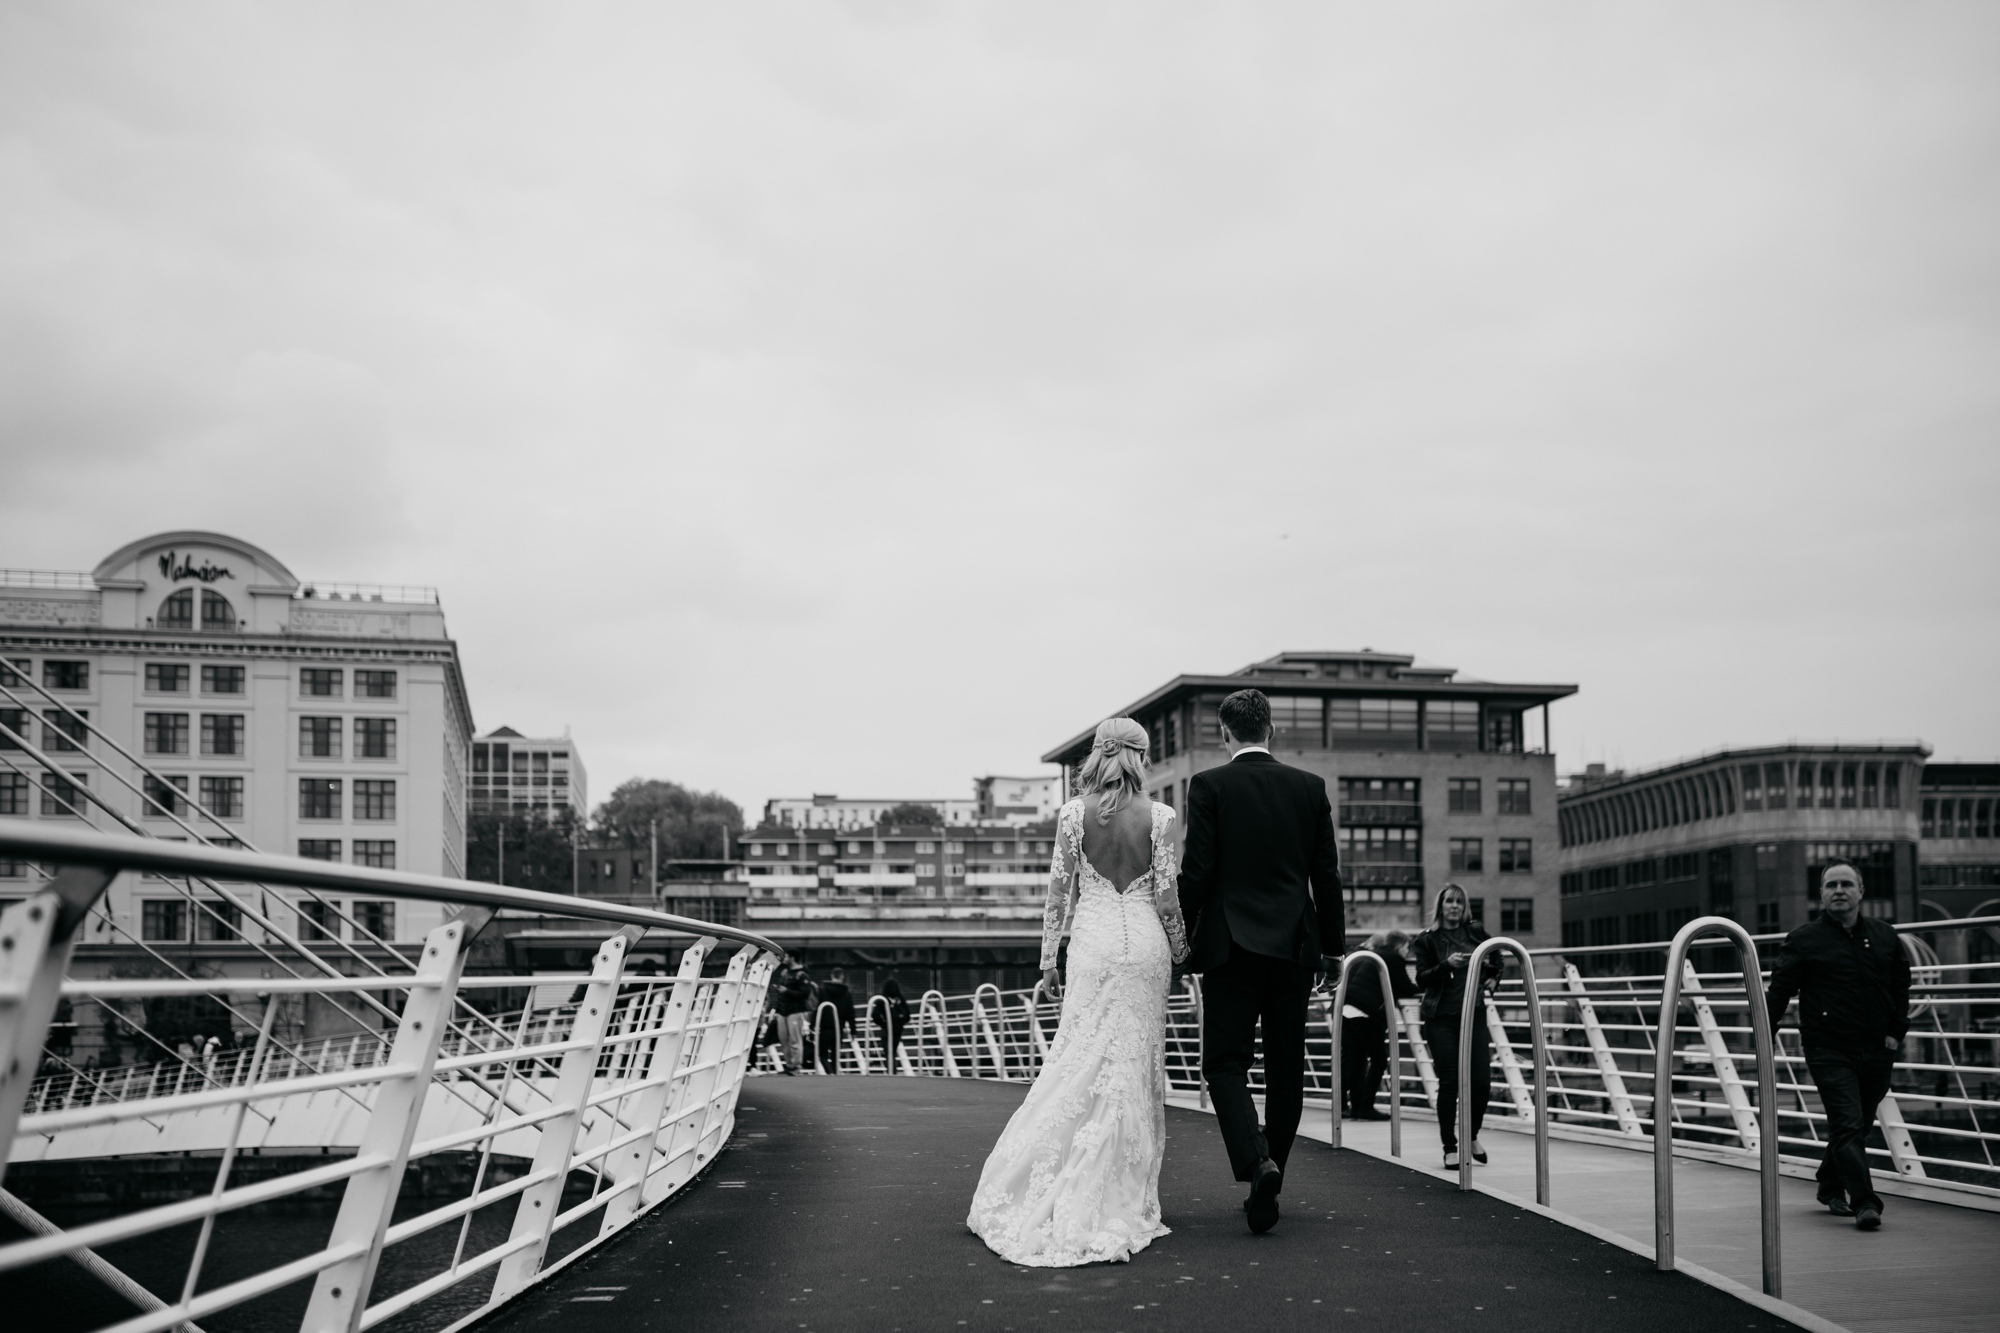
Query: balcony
[(872, 880), (1403, 813), (993, 879)]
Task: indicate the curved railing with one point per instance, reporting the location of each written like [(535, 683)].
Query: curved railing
[(1598, 1072), (531, 1131)]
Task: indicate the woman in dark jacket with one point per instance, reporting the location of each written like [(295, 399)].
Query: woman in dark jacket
[(1364, 1040), (1443, 952), (899, 1016)]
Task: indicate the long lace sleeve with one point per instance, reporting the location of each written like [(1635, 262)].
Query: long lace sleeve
[(1062, 884), (1166, 889)]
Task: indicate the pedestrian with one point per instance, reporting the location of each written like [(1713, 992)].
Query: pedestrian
[(1364, 1026), (794, 994), (899, 1017), (1853, 982), (829, 1035), (1443, 953)]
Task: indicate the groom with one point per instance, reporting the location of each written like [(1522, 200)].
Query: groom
[(1260, 889)]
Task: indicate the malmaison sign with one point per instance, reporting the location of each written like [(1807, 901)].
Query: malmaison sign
[(179, 567)]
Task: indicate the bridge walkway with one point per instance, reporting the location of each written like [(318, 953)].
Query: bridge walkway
[(1929, 1270), (841, 1203)]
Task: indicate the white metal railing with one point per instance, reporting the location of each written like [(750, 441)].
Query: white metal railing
[(1606, 1070), (575, 1118)]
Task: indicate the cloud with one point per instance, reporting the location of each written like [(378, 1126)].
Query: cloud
[(837, 398)]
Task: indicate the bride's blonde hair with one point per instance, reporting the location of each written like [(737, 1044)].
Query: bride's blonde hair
[(1116, 766)]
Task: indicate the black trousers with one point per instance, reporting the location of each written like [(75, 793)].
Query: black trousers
[(1851, 1083), (1442, 1034), (1364, 1058), (1248, 989)]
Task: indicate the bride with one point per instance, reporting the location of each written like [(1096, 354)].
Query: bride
[(1075, 1177)]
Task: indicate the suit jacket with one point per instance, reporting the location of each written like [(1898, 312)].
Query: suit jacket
[(1261, 866)]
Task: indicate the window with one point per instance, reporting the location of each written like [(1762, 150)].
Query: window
[(319, 682), (316, 919), (218, 921), (1295, 723), (223, 797), (379, 853), (781, 849), (1774, 787), (1871, 786), (320, 849), (1394, 719), (319, 738), (1850, 782), (374, 799), (1468, 855), (66, 675), (854, 849), (222, 733), (163, 919), (61, 731), (1826, 795), (1514, 796), (1478, 909), (1603, 931), (319, 798), (378, 919), (1517, 856), (1642, 927), (925, 870), (375, 738), (1722, 880), (1767, 918), (1517, 916), (13, 793), (216, 612), (926, 848), (1503, 730), (166, 678), (1638, 874), (60, 795), (177, 611), (1451, 725), (826, 849), (166, 733), (1462, 796), (11, 672), (756, 849), (222, 680), (15, 720), (164, 798), (1892, 790), (1573, 934)]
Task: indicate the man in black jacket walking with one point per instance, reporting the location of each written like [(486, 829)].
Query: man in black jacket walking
[(1853, 982), (1260, 891)]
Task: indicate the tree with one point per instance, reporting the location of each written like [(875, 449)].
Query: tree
[(914, 812), (693, 825), (540, 853)]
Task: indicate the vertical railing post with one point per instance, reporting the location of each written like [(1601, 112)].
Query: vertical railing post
[(1600, 1051), (984, 1026), (1200, 1056), (340, 1293), (1510, 1064), (37, 936), (535, 1214), (1335, 1025), (936, 1012), (1733, 1095), (1767, 1095), (1474, 1007), (742, 1001), (635, 1160)]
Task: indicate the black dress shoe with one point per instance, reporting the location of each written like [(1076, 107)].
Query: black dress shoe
[(1262, 1205), (1837, 1204)]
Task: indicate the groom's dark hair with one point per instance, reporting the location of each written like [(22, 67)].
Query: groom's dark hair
[(1247, 714)]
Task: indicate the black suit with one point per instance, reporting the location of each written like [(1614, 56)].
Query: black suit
[(1260, 889)]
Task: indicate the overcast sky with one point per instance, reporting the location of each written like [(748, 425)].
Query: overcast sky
[(859, 398)]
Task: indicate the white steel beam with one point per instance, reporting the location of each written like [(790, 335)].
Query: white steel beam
[(635, 1161), (1600, 1051), (1721, 1059), (340, 1292), (535, 1215), (37, 935)]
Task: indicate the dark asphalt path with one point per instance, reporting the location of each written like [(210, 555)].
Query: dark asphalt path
[(841, 1204)]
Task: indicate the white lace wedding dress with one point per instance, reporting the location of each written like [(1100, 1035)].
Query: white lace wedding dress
[(1075, 1177)]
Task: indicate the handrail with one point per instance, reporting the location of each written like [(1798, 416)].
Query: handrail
[(888, 1031), (33, 840), (985, 1024), (1335, 1022), (943, 1031), (1475, 1010), (1767, 1097)]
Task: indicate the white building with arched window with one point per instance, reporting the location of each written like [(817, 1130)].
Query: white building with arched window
[(192, 677)]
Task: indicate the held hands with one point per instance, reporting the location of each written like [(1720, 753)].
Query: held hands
[(1052, 982), (1459, 959), (1892, 1043)]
